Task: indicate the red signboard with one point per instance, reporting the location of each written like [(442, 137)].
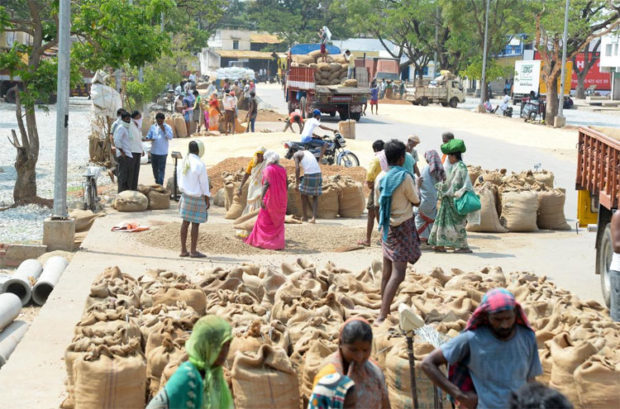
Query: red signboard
[(594, 76)]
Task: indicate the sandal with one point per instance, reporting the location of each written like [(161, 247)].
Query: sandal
[(465, 250), (439, 249), (186, 254)]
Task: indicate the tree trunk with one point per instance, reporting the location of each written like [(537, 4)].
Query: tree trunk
[(25, 189), (581, 88), (552, 99)]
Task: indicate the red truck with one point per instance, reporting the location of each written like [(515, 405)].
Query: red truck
[(598, 184)]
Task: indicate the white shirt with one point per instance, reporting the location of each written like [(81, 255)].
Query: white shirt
[(196, 181), (309, 164), (135, 138), (122, 141), (309, 126), (615, 262), (229, 102)]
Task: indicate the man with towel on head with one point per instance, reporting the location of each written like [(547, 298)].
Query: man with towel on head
[(495, 355), (195, 197)]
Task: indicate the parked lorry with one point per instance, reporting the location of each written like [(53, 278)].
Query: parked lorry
[(445, 90), (598, 186), (311, 85)]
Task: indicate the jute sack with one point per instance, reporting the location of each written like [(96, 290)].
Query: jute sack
[(293, 204), (171, 367), (351, 201), (519, 211), (229, 189), (313, 359), (131, 201), (489, 220), (239, 202), (545, 178), (566, 358), (157, 361), (474, 172), (350, 83), (264, 380), (179, 126), (598, 383), (194, 298), (328, 202), (398, 379), (551, 210), (249, 343), (170, 122), (110, 381), (84, 219), (220, 198), (159, 198), (315, 54)]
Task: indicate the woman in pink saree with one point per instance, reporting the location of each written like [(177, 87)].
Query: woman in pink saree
[(268, 232)]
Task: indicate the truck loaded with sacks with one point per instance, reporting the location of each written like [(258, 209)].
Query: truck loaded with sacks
[(312, 83), (598, 184)]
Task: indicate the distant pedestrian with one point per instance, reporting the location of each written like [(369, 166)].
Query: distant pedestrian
[(401, 245), (412, 142), (426, 213), (323, 43), (310, 185), (137, 149), (614, 268), (122, 142), (188, 109), (160, 133), (449, 227), (252, 112), (195, 197), (229, 112), (294, 118), (114, 169), (197, 111), (382, 88), (350, 64), (214, 113), (445, 138), (374, 98)]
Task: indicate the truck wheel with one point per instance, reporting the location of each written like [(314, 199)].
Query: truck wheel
[(332, 114), (454, 102), (424, 101), (302, 107), (603, 261), (444, 104), (344, 115), (356, 116)]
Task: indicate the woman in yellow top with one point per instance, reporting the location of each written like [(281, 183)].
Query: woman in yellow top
[(254, 177)]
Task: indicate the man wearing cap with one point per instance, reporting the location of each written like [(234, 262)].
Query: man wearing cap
[(308, 135), (495, 355)]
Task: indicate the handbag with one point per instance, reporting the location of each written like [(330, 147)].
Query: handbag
[(469, 202)]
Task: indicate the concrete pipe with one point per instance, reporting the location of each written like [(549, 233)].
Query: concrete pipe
[(9, 338), (54, 267), (10, 305), (21, 281)]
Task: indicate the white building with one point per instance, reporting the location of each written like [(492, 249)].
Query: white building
[(610, 62)]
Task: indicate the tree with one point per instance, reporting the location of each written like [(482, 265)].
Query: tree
[(587, 20), (198, 19), (106, 33), (590, 57)]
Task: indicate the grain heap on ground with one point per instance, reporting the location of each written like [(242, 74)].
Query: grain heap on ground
[(286, 322)]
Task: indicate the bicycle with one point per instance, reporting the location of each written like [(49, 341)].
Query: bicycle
[(89, 187)]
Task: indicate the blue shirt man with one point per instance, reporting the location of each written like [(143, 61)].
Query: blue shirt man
[(160, 133)]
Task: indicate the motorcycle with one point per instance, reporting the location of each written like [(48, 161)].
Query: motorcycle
[(334, 154)]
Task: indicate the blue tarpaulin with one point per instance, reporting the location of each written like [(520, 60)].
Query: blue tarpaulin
[(307, 48)]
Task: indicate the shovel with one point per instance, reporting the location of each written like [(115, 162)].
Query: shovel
[(409, 323)]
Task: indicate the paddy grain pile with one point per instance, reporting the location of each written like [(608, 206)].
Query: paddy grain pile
[(286, 321)]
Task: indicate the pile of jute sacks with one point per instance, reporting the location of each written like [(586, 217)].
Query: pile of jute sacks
[(517, 202), (286, 321), (332, 71)]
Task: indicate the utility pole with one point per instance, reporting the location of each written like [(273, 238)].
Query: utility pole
[(560, 121), (483, 85), (436, 41), (62, 111)]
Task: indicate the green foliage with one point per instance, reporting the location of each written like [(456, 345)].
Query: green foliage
[(494, 71), (197, 19), (299, 21)]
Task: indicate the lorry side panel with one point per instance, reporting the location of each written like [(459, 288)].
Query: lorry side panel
[(301, 78)]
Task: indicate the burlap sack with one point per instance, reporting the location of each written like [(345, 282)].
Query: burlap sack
[(519, 211), (194, 298), (566, 358), (544, 177), (351, 201), (170, 122), (313, 359), (489, 220), (551, 210), (105, 383), (159, 199), (157, 361), (323, 66), (238, 202), (293, 204), (350, 83), (180, 128), (474, 172), (229, 190), (171, 367), (598, 383), (315, 54), (328, 202), (131, 201), (84, 219), (220, 198), (246, 222), (144, 189), (547, 363), (264, 380)]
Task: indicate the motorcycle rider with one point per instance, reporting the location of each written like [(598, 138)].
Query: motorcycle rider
[(308, 136)]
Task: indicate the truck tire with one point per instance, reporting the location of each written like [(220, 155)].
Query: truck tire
[(344, 115), (604, 254), (303, 107), (454, 102), (356, 116), (424, 101), (444, 104), (332, 114)]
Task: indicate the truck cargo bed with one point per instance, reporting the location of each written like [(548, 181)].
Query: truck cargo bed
[(598, 164), (336, 89)]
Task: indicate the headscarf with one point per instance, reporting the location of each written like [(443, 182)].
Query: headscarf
[(434, 163), (271, 157), (186, 163), (414, 138), (330, 392), (453, 146), (209, 335)]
